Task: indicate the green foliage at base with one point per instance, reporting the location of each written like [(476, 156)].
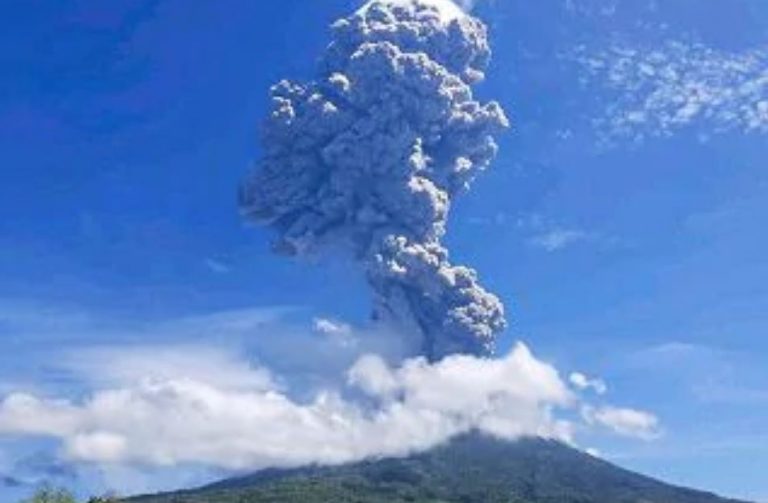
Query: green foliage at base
[(47, 494)]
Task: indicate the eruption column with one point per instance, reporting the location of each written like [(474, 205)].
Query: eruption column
[(369, 156)]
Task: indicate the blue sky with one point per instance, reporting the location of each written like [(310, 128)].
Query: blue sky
[(621, 223)]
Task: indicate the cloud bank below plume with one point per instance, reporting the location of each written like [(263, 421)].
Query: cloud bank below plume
[(379, 410), (368, 157)]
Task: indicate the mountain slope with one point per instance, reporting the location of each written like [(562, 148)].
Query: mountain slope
[(470, 469)]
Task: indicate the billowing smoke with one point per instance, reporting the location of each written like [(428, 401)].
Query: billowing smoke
[(369, 156)]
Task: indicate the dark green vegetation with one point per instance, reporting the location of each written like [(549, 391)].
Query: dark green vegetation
[(51, 495), (471, 469), (47, 494)]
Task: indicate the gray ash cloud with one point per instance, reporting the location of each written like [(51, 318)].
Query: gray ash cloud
[(368, 157)]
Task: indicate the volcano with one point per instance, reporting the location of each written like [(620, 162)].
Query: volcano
[(473, 468)]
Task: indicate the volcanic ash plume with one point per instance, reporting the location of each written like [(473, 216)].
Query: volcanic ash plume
[(369, 156)]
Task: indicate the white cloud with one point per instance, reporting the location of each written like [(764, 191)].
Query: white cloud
[(185, 415), (625, 422), (194, 397), (338, 332), (331, 327), (217, 266), (204, 348), (661, 90), (31, 317), (557, 239), (47, 324), (509, 397), (582, 382), (710, 375), (174, 421), (604, 8), (713, 391), (680, 358), (551, 236), (126, 365)]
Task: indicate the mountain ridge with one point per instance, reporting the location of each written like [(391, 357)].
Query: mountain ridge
[(473, 468)]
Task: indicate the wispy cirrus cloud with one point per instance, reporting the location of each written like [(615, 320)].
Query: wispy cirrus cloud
[(623, 421), (660, 90), (553, 236), (558, 239), (217, 266), (599, 8), (710, 375), (582, 382)]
